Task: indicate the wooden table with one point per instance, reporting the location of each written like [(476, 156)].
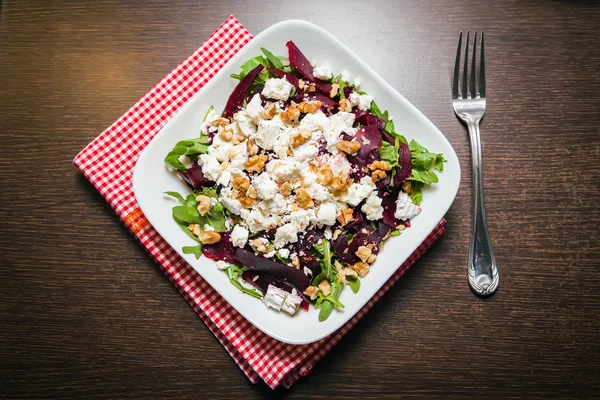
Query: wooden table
[(84, 311)]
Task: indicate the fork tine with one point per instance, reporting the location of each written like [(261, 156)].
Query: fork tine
[(482, 71), (465, 80), (456, 69), (472, 89)]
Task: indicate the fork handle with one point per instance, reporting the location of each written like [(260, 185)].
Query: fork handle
[(482, 271)]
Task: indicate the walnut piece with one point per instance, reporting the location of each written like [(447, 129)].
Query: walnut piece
[(324, 174), (225, 134), (220, 122), (246, 201), (334, 90), (345, 105), (209, 237), (237, 139), (240, 183), (269, 112), (251, 147), (286, 188), (194, 228), (296, 262), (259, 246), (309, 107), (224, 165), (252, 193), (345, 217), (363, 253), (312, 292), (325, 287), (340, 183), (348, 147), (362, 268), (255, 163), (204, 204), (301, 84), (290, 116), (377, 175), (407, 187), (350, 272), (382, 165), (336, 233), (304, 199), (371, 259), (312, 87), (300, 138)]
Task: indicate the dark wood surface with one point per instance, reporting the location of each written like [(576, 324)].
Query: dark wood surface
[(85, 313)]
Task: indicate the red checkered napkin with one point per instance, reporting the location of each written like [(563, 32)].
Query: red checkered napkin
[(108, 163)]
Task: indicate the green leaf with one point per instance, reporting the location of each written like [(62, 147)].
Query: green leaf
[(389, 153), (416, 147), (175, 195), (195, 250), (389, 126), (187, 214), (185, 229), (207, 191), (328, 303), (417, 192), (354, 284), (207, 112), (189, 147), (326, 310), (375, 109), (275, 61), (251, 292)]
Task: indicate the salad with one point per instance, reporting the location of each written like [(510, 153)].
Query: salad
[(297, 183)]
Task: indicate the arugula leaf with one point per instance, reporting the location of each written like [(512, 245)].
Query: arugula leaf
[(354, 284), (195, 250), (185, 229), (251, 292), (328, 303), (175, 195), (190, 148), (417, 192), (374, 108), (249, 66), (389, 154), (207, 112), (233, 273), (272, 58)]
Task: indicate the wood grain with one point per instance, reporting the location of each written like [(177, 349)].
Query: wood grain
[(85, 313)]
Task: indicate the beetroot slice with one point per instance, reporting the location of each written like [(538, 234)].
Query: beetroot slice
[(262, 282), (194, 176), (389, 208), (222, 250), (405, 160), (347, 90), (365, 118), (303, 66), (236, 99), (370, 140), (256, 263), (342, 249)]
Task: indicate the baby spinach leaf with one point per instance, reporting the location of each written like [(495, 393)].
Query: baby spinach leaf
[(354, 284), (195, 250), (175, 195), (417, 192)]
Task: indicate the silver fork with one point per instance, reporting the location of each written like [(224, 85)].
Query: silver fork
[(469, 106)]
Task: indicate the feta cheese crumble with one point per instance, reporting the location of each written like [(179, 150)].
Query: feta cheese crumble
[(322, 73), (362, 101), (277, 89), (372, 207), (405, 209), (239, 236)]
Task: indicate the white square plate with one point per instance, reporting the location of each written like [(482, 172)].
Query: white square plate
[(151, 178)]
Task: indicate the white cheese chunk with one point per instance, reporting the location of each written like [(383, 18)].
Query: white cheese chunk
[(291, 304), (372, 207), (285, 234), (265, 187), (239, 236), (327, 213), (322, 73), (405, 209), (222, 265), (274, 297), (277, 89), (363, 101)]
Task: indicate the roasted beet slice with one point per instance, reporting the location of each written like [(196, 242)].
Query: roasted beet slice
[(326, 101), (365, 118), (194, 176), (261, 264), (347, 90), (370, 140), (388, 202), (405, 161), (342, 249), (388, 137), (380, 184), (311, 237), (263, 280), (358, 219), (236, 98), (303, 66), (222, 250)]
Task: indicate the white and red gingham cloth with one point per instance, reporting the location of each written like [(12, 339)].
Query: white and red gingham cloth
[(108, 163)]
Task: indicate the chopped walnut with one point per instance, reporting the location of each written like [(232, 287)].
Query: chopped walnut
[(225, 134), (301, 84), (345, 105), (363, 253), (246, 201), (338, 265), (382, 165), (269, 112), (336, 233), (194, 228), (259, 246), (290, 116), (304, 199), (334, 90), (252, 193), (312, 292), (378, 175), (204, 204), (312, 87), (371, 259), (300, 138), (309, 107), (209, 237), (407, 187), (240, 183), (251, 147), (237, 139), (340, 183), (362, 268), (324, 174), (348, 147), (296, 262), (350, 272), (220, 122), (286, 188), (255, 163), (325, 287), (345, 217)]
